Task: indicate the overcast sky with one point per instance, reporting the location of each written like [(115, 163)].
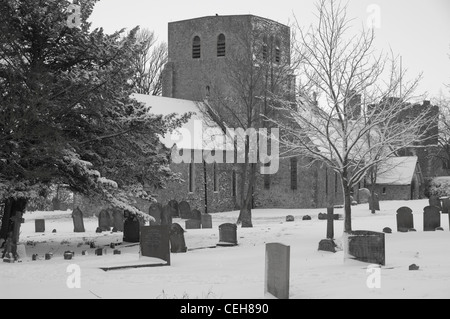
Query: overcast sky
[(418, 30)]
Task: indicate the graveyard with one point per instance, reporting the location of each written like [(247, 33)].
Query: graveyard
[(208, 270)]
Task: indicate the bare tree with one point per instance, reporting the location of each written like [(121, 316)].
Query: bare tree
[(257, 76), (350, 138), (149, 63)]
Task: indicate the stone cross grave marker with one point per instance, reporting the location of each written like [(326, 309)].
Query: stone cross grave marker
[(177, 242), (405, 219), (105, 221), (39, 225), (78, 223), (118, 220), (155, 211), (185, 210), (154, 242), (367, 246), (277, 270), (166, 215), (175, 210), (206, 221), (431, 218), (328, 244), (193, 224), (227, 235)]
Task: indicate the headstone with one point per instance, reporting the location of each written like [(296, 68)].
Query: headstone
[(177, 242), (306, 217), (105, 221), (154, 242), (155, 211), (131, 230), (445, 207), (367, 246), (374, 203), (364, 195), (323, 216), (227, 235), (206, 221), (327, 245), (174, 205), (405, 219), (413, 267), (78, 223), (166, 216), (68, 255), (48, 256), (54, 231), (439, 228), (193, 224), (411, 230), (98, 230), (196, 214), (277, 270), (387, 230), (435, 201), (39, 225), (185, 210), (117, 252), (290, 218), (99, 252), (431, 218), (118, 220)]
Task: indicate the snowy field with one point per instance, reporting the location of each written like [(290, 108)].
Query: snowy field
[(235, 272)]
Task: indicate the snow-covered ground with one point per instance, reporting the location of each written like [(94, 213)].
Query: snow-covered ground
[(235, 272)]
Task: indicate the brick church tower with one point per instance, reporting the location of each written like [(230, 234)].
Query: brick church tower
[(200, 50)]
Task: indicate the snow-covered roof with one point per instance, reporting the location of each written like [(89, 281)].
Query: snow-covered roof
[(198, 133), (397, 170)]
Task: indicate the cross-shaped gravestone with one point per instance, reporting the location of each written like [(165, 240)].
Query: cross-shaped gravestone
[(330, 223)]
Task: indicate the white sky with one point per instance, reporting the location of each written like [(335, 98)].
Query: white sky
[(418, 30)]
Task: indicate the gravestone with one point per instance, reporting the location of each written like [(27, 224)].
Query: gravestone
[(290, 218), (177, 242), (196, 214), (118, 220), (364, 195), (174, 205), (227, 235), (185, 210), (78, 223), (193, 224), (155, 211), (277, 270), (105, 221), (327, 245), (405, 219), (387, 230), (206, 221), (431, 218), (306, 217), (445, 207), (367, 246), (39, 225), (374, 202), (323, 216), (435, 201), (166, 215), (131, 230), (154, 242)]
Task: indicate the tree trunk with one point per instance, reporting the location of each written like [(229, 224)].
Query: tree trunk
[(14, 209), (347, 206), (245, 214), (372, 191)]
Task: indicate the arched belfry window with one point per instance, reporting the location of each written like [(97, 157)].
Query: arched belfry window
[(277, 51), (196, 48), (221, 45)]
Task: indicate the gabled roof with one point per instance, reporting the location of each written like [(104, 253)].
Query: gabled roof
[(397, 171), (198, 133)]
